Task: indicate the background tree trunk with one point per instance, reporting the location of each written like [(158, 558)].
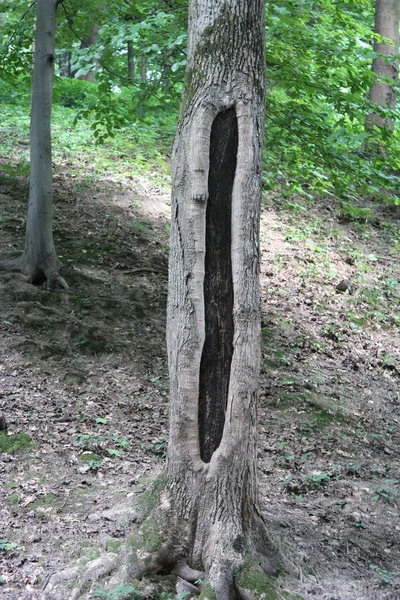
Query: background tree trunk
[(3, 423), (383, 92), (87, 43), (131, 61), (64, 63), (39, 260), (143, 68)]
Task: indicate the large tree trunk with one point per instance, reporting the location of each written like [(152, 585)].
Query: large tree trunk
[(213, 328), (383, 92), (39, 260)]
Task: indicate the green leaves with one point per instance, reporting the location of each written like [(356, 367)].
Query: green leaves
[(319, 73)]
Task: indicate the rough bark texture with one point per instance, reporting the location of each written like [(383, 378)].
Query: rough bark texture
[(39, 260), (383, 92), (213, 329)]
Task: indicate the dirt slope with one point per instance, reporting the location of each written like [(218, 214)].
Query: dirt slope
[(85, 375)]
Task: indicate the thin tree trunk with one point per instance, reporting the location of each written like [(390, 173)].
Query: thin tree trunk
[(143, 69), (131, 61), (64, 62), (382, 91), (3, 423), (39, 260)]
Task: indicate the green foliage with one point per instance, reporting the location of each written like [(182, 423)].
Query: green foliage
[(319, 59), (14, 443), (384, 575), (319, 73), (386, 491), (7, 546), (356, 213), (119, 591), (74, 93), (92, 460)]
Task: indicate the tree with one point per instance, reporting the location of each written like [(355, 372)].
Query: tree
[(386, 45), (92, 63), (213, 326), (39, 260), (203, 517), (131, 61)]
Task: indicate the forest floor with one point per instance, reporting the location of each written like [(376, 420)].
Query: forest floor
[(84, 375)]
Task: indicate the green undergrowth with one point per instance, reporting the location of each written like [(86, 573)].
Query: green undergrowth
[(158, 587), (134, 146), (15, 443), (252, 578)]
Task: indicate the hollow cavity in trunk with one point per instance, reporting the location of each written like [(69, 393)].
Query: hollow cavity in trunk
[(218, 285)]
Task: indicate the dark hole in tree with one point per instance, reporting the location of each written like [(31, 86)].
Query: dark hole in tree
[(218, 286)]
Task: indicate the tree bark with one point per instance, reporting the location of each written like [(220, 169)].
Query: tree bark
[(3, 423), (64, 63), (131, 61), (382, 91), (86, 43), (39, 260)]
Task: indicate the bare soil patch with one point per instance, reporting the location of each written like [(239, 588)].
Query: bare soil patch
[(84, 374)]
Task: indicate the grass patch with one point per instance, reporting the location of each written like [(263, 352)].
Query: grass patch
[(15, 443)]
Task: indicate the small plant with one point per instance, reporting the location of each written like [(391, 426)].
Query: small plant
[(117, 592), (14, 443), (93, 461), (384, 574), (7, 546), (356, 213), (385, 492), (315, 481), (158, 449)]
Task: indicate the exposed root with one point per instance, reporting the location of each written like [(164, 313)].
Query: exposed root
[(93, 571), (185, 572), (46, 277), (240, 577), (186, 589), (54, 282), (232, 564), (11, 265)]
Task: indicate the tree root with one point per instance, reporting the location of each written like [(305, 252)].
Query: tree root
[(236, 576), (46, 277), (11, 265), (93, 571), (243, 580), (212, 561)]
